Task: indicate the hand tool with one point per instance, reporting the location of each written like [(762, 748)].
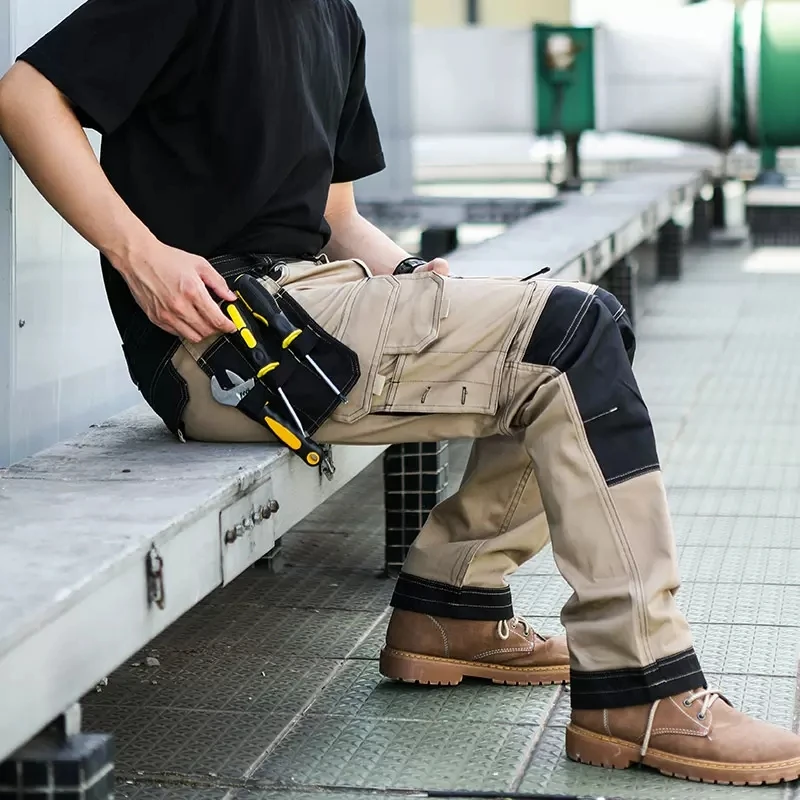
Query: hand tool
[(297, 442), (262, 361), (266, 309)]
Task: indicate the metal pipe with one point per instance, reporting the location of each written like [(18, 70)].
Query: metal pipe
[(472, 12)]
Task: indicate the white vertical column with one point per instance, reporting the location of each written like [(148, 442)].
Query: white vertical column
[(61, 366), (388, 27)]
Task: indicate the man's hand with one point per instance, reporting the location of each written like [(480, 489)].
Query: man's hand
[(438, 265), (170, 286)]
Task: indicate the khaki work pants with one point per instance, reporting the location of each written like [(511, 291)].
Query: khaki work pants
[(538, 374)]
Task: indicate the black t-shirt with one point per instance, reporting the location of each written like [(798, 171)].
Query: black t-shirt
[(224, 122)]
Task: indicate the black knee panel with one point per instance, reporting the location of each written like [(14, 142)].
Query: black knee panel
[(621, 318), (580, 335)]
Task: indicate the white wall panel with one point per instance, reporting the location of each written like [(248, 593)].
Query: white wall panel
[(64, 368)]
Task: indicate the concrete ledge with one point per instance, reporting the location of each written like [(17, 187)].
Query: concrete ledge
[(81, 521)]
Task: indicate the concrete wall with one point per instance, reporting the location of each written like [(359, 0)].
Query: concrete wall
[(61, 367), (388, 27)]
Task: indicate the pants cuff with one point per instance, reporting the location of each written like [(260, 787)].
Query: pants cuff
[(636, 687), (441, 600)]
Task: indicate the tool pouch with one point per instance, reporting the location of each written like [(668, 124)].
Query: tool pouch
[(312, 398)]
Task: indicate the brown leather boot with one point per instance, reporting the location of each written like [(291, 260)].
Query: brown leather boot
[(441, 651), (697, 736)]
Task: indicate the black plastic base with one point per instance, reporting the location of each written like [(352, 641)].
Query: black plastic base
[(669, 251), (415, 481), (82, 768)]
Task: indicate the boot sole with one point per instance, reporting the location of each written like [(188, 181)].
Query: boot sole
[(431, 671), (597, 750)]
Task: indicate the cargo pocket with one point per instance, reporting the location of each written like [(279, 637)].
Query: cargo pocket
[(463, 370), (383, 320)]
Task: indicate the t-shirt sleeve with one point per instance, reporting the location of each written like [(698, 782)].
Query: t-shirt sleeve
[(358, 146), (106, 54)]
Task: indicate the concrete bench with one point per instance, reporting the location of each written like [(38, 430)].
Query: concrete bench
[(110, 537)]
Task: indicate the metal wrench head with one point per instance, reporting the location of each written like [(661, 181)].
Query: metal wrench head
[(233, 396)]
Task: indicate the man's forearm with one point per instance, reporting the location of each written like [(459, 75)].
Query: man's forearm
[(47, 140), (356, 237)]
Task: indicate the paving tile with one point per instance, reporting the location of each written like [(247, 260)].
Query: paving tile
[(307, 633), (731, 564), (539, 595), (328, 587), (178, 742), (224, 679), (315, 794), (550, 771), (128, 790), (736, 531), (748, 649), (735, 502), (744, 604), (360, 691), (400, 754)]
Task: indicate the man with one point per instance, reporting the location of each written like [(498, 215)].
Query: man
[(232, 133)]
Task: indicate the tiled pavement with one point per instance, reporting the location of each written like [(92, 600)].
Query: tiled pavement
[(269, 689)]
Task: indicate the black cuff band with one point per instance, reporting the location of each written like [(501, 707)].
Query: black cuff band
[(409, 265), (440, 600), (636, 687)]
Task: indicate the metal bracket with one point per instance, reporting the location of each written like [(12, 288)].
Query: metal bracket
[(248, 523), (327, 467), (155, 578)]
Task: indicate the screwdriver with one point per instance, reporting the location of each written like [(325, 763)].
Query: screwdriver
[(265, 308), (258, 353), (302, 446)]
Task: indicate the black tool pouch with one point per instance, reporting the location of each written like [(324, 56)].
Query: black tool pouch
[(313, 400)]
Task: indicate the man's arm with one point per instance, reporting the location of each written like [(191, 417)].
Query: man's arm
[(47, 139), (356, 237)]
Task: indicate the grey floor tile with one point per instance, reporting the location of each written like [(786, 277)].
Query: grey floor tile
[(316, 794), (216, 679), (741, 603), (360, 691), (310, 633), (330, 587), (400, 754), (748, 649), (539, 595), (736, 531), (731, 564), (551, 771), (129, 790), (206, 744), (735, 502)]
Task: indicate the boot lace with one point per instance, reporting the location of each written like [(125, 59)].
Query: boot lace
[(708, 696), (504, 627)]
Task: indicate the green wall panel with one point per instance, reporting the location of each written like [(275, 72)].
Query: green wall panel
[(779, 104), (576, 111)]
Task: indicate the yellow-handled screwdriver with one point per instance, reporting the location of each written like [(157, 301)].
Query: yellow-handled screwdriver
[(266, 309), (262, 361), (309, 451)]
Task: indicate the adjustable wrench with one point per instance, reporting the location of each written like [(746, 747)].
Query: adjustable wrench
[(295, 440)]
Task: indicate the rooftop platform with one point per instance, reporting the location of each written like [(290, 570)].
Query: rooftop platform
[(269, 688)]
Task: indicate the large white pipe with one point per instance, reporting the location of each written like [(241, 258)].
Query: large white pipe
[(667, 74)]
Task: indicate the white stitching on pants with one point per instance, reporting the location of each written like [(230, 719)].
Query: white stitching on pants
[(572, 330), (613, 517)]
